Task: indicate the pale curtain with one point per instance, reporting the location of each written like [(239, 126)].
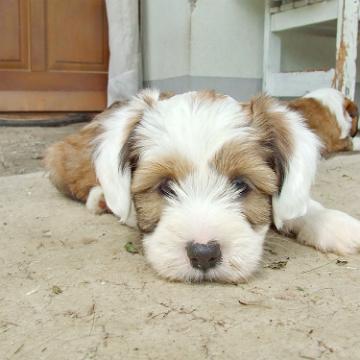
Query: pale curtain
[(125, 58)]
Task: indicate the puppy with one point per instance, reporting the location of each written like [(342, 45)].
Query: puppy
[(203, 178), (332, 116)]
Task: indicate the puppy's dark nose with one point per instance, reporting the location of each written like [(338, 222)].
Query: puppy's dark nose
[(204, 256)]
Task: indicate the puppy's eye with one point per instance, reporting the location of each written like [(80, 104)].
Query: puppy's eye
[(165, 189), (241, 185)]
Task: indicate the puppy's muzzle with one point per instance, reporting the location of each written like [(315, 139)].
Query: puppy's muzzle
[(204, 256)]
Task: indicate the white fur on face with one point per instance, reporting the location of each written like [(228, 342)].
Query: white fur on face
[(334, 101), (206, 208), (191, 127)]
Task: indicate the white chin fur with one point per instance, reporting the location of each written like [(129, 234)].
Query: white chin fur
[(241, 248)]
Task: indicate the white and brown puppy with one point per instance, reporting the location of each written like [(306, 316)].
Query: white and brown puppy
[(332, 116), (203, 177)]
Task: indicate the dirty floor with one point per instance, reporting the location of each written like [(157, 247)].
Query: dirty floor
[(22, 148), (70, 290)]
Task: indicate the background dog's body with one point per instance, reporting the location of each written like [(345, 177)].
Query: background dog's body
[(202, 177), (333, 117)]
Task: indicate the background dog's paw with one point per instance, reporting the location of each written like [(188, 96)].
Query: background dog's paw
[(356, 143), (96, 201), (331, 231)]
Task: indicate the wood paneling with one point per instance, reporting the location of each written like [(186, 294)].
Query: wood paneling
[(44, 81), (38, 36), (52, 100), (53, 55), (14, 34), (70, 23)]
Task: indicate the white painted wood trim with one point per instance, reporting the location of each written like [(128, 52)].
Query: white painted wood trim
[(298, 83), (272, 49), (306, 15), (346, 47)]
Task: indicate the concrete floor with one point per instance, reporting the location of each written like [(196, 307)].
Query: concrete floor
[(69, 289), (21, 148)]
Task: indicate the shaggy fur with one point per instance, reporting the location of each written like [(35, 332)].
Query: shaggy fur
[(332, 117), (201, 168)]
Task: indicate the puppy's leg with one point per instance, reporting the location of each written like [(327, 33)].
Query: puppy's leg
[(96, 201), (70, 167), (326, 230), (346, 144)]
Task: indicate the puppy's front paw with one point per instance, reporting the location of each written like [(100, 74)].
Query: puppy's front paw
[(96, 201), (331, 231)]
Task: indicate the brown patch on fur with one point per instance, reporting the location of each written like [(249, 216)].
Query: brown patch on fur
[(274, 133), (246, 160), (353, 111), (117, 104), (166, 95), (129, 154), (70, 166), (208, 96), (69, 162), (150, 101), (323, 122), (148, 201), (257, 208), (149, 206)]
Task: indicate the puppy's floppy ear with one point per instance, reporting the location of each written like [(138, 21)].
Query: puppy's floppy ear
[(292, 150), (113, 170), (352, 109)]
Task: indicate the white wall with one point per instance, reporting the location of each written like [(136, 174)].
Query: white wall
[(227, 38), (165, 38), (220, 38), (189, 44)]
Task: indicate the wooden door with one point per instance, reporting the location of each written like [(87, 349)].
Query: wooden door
[(53, 55)]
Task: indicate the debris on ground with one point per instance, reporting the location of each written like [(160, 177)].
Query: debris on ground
[(276, 265), (341, 262), (56, 290), (131, 248)]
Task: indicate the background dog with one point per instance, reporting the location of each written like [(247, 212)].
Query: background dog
[(333, 117), (202, 177)]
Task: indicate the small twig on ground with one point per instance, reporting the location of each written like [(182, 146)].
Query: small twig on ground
[(18, 349), (319, 267), (246, 303), (93, 313)]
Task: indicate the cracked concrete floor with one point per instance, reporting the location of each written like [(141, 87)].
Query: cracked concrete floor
[(69, 289)]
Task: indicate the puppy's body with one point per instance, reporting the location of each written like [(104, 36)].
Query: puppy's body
[(333, 118), (202, 177)]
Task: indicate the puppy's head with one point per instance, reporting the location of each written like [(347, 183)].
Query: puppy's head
[(206, 177)]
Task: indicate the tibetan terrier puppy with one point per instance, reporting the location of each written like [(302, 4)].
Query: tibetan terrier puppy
[(203, 177)]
